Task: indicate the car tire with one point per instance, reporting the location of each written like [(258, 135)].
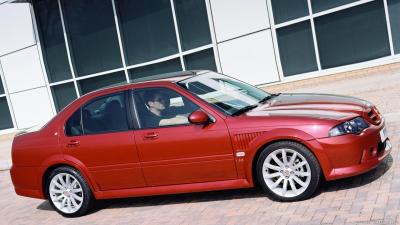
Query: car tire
[(68, 192), (288, 171)]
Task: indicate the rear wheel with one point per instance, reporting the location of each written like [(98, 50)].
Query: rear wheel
[(288, 171), (68, 192)]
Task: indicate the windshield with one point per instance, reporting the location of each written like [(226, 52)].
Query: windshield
[(225, 93)]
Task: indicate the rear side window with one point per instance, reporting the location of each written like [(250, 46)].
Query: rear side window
[(106, 114), (73, 126), (101, 115)]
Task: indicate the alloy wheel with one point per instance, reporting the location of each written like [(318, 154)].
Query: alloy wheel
[(66, 193), (286, 172)]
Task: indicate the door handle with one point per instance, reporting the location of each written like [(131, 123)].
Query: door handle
[(73, 143), (150, 136)]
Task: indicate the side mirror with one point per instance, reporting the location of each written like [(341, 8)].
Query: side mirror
[(199, 118)]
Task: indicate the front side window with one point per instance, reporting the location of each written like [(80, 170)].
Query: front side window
[(101, 115), (224, 93), (160, 107)]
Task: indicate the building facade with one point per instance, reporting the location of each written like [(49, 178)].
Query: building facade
[(53, 51)]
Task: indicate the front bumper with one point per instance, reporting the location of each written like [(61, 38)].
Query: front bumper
[(351, 155)]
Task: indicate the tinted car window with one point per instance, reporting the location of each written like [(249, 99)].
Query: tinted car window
[(73, 126), (106, 114), (159, 107)]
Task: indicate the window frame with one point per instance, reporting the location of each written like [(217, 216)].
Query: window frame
[(126, 94), (136, 116)]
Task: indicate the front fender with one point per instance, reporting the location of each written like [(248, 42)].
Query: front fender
[(284, 134)]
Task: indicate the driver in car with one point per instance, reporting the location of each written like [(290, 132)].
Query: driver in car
[(160, 113)]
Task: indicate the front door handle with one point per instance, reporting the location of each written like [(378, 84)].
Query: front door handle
[(151, 135), (73, 143)]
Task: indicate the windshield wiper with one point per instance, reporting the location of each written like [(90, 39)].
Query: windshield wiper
[(244, 109), (269, 97)]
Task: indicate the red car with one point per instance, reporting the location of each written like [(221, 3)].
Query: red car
[(195, 131)]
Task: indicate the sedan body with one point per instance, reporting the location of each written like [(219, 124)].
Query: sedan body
[(195, 131)]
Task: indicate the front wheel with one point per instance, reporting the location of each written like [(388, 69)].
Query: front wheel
[(288, 171), (68, 192)]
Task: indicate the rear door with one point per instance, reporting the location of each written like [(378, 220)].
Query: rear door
[(182, 152), (99, 136)]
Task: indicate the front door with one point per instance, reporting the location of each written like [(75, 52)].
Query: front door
[(98, 135), (172, 150)]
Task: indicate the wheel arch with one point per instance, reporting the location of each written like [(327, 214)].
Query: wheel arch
[(261, 148), (293, 135), (46, 171)]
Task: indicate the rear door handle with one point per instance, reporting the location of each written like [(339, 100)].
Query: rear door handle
[(150, 136), (73, 143)]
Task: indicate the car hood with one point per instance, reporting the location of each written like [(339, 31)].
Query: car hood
[(318, 106)]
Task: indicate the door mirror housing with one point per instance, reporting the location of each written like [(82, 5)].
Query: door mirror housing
[(199, 118)]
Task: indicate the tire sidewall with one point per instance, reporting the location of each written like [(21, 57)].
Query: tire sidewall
[(300, 149)]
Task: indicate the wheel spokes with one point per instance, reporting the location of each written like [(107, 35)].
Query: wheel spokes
[(302, 174), (57, 184), (272, 175), (273, 167), (299, 181), (74, 203), (284, 188), (291, 162), (293, 186), (278, 161), (300, 164), (60, 178), (73, 195), (277, 182)]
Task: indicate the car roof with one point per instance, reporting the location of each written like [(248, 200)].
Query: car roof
[(165, 77)]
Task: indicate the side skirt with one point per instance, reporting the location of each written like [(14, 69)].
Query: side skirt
[(174, 189)]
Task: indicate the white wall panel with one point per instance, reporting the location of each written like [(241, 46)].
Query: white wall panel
[(31, 107), (250, 58), (233, 18), (22, 70), (16, 27)]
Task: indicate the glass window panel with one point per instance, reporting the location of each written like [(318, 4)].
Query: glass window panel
[(296, 49), (63, 94), (93, 35), (320, 5), (140, 73), (1, 88), (73, 126), (52, 40), (353, 35), (203, 60), (105, 115), (91, 84), (394, 12), (148, 29), (158, 107), (5, 116), (285, 10), (193, 23)]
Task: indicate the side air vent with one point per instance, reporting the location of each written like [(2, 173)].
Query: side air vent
[(241, 141)]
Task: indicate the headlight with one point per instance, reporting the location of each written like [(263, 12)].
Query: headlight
[(354, 126)]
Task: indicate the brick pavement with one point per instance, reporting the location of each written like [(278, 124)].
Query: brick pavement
[(371, 198)]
